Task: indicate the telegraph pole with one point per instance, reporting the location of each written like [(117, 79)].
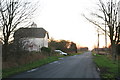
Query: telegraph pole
[(105, 36), (98, 41)]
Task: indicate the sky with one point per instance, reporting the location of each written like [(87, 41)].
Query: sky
[(63, 20)]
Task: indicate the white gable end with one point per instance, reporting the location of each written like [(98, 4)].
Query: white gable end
[(46, 41), (119, 11), (34, 44)]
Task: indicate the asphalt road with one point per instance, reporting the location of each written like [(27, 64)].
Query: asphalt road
[(77, 66)]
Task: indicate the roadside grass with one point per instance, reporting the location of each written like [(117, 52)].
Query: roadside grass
[(75, 54), (108, 67), (25, 67)]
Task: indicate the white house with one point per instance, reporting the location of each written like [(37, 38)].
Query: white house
[(32, 39), (119, 11)]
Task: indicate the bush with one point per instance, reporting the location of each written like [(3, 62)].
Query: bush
[(118, 49), (45, 49)]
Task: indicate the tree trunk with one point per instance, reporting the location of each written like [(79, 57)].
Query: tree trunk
[(114, 51), (5, 50)]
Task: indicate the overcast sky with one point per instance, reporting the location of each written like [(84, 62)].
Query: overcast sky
[(63, 20)]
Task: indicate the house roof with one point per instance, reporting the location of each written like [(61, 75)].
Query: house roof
[(30, 33)]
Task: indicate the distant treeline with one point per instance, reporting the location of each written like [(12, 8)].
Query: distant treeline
[(64, 45)]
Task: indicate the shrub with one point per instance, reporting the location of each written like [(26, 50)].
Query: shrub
[(45, 49)]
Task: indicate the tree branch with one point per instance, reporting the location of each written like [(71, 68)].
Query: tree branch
[(93, 22)]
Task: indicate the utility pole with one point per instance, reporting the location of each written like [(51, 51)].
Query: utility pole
[(98, 41), (105, 36)]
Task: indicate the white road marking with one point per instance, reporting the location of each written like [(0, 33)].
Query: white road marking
[(61, 58), (32, 70), (98, 69), (54, 62)]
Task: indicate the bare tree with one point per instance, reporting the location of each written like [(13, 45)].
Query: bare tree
[(110, 17), (14, 13)]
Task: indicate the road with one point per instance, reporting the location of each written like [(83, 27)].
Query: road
[(77, 66)]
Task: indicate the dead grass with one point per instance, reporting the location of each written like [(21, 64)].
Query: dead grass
[(118, 57), (14, 61), (102, 52)]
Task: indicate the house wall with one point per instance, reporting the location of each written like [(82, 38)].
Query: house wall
[(46, 41), (119, 11), (34, 44)]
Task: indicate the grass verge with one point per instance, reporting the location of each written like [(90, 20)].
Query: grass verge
[(108, 67), (72, 54), (25, 67)]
